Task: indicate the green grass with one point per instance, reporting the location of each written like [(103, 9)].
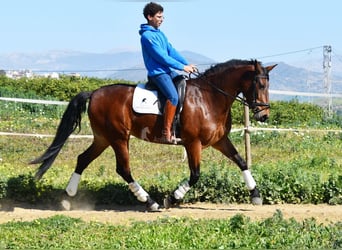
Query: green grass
[(238, 232), (310, 163), (316, 151)]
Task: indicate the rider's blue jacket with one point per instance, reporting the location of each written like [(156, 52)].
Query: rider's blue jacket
[(159, 55)]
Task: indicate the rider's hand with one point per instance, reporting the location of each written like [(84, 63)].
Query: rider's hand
[(190, 68)]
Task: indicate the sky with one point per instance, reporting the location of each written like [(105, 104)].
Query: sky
[(218, 29)]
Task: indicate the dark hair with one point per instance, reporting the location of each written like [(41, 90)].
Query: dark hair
[(151, 9)]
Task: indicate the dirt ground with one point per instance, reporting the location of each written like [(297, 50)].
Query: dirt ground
[(323, 213)]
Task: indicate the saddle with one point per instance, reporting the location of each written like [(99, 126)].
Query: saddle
[(147, 99)]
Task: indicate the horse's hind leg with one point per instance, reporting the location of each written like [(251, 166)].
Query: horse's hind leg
[(194, 157), (83, 160), (123, 169), (227, 148)]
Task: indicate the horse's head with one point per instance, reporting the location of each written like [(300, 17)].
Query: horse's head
[(248, 77), (257, 93)]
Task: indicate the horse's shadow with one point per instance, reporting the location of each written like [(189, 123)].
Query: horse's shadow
[(25, 192), (84, 201)]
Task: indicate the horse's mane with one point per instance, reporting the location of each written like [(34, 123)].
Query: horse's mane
[(217, 68)]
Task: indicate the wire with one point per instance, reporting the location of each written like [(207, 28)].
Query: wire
[(100, 70), (87, 70), (291, 52)]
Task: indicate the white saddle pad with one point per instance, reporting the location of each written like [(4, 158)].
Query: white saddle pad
[(145, 101)]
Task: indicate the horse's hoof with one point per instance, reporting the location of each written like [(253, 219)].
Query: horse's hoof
[(66, 205), (255, 197), (65, 202), (151, 205), (154, 207), (167, 202), (170, 201), (257, 201)]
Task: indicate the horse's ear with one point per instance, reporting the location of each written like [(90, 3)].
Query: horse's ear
[(257, 65), (269, 68)]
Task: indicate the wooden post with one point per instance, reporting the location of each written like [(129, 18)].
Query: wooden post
[(247, 138)]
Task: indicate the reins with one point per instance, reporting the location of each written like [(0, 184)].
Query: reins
[(237, 98), (201, 75)]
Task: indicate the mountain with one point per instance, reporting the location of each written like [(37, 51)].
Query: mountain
[(120, 65), (128, 65), (287, 77), (290, 78), (137, 71)]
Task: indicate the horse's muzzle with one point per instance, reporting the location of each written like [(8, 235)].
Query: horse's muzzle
[(261, 111), (261, 115), (261, 118)]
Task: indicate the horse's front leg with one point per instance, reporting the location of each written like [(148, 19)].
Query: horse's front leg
[(123, 169), (227, 148), (194, 158)]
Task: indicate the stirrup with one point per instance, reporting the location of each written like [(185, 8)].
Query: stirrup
[(174, 139), (164, 139)]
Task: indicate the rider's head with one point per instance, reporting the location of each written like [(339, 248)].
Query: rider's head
[(151, 9)]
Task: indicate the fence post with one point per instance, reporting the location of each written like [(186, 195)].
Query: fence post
[(247, 137)]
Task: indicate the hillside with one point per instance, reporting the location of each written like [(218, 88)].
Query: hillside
[(128, 65), (120, 65)]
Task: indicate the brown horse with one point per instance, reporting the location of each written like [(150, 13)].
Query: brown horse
[(205, 120)]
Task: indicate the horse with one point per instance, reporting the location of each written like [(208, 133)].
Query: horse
[(205, 120)]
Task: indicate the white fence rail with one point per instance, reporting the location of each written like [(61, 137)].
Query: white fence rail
[(277, 92), (36, 101), (295, 93), (246, 130)]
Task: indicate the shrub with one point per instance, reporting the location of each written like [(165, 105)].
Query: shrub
[(3, 187)]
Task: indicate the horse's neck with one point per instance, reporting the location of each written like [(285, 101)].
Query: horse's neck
[(214, 93)]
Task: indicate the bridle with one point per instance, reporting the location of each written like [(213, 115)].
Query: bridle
[(254, 104)]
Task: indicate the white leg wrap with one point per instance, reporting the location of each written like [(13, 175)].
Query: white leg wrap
[(249, 180), (71, 189), (138, 191), (181, 190)]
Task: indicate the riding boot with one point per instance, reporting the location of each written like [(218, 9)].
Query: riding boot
[(169, 114)]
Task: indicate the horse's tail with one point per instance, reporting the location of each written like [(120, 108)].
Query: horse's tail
[(70, 121)]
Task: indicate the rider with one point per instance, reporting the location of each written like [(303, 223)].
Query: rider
[(160, 58)]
